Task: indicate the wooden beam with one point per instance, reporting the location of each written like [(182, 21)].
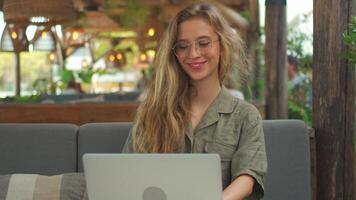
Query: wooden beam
[(159, 2), (334, 109), (275, 58), (350, 146), (17, 73), (350, 132), (97, 21), (253, 38), (79, 114)]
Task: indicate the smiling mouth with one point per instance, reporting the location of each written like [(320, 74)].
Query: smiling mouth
[(196, 65)]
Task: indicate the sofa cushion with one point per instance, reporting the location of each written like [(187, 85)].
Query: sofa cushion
[(70, 186), (46, 149), (101, 138)]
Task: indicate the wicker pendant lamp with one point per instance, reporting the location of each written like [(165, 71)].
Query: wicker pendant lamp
[(13, 39), (21, 13), (38, 11), (44, 39)]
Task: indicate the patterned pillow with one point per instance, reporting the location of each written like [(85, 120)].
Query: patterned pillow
[(70, 186)]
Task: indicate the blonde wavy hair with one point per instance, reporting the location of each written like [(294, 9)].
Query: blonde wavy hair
[(164, 115)]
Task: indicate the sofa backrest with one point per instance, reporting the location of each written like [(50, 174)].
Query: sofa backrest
[(287, 147), (101, 138), (38, 148), (58, 148)]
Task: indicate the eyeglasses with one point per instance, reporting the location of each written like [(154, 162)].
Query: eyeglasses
[(182, 49)]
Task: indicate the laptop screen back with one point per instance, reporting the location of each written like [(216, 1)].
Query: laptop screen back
[(153, 176)]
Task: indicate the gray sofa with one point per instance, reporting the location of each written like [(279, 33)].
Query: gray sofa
[(57, 149)]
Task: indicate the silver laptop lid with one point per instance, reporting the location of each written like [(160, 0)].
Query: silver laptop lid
[(153, 176)]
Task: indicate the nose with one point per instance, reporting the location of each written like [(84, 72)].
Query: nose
[(193, 51)]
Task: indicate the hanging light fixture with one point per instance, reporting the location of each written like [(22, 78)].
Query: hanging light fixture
[(75, 36), (21, 13), (44, 39), (14, 38), (153, 29), (116, 59), (18, 14)]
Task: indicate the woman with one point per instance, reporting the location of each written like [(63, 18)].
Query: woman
[(187, 109)]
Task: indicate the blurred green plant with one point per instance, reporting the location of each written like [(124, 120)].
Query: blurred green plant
[(296, 111), (66, 76), (22, 99), (300, 95), (84, 76), (135, 14), (297, 40), (44, 86), (349, 38), (47, 86), (299, 102), (246, 14)]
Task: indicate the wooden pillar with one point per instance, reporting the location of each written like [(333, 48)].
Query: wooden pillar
[(334, 100), (17, 74), (276, 58), (253, 39)]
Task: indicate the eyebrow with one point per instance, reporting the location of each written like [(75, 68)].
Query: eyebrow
[(199, 38)]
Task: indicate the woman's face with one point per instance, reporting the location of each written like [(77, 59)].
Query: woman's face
[(198, 50)]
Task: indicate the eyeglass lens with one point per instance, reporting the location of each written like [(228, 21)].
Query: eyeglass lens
[(182, 48)]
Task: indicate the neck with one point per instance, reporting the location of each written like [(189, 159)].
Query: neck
[(206, 91)]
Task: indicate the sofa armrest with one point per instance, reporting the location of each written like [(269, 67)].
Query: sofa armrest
[(288, 155)]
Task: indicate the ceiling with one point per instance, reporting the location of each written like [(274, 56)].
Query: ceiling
[(107, 15), (97, 4)]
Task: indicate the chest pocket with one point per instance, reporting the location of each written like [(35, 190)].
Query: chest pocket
[(225, 151)]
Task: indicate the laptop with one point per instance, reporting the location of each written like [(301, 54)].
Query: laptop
[(153, 176)]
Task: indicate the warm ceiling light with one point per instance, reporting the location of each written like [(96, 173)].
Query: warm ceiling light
[(75, 35), (119, 56), (13, 35), (44, 35), (151, 32), (112, 58), (143, 57), (39, 19), (69, 51), (52, 57)]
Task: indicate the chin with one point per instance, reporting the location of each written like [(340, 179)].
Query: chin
[(196, 77)]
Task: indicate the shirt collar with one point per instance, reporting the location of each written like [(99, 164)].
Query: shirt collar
[(223, 103)]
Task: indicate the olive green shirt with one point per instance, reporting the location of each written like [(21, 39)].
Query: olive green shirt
[(231, 128)]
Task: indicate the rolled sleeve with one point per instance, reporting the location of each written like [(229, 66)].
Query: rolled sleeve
[(250, 157)]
